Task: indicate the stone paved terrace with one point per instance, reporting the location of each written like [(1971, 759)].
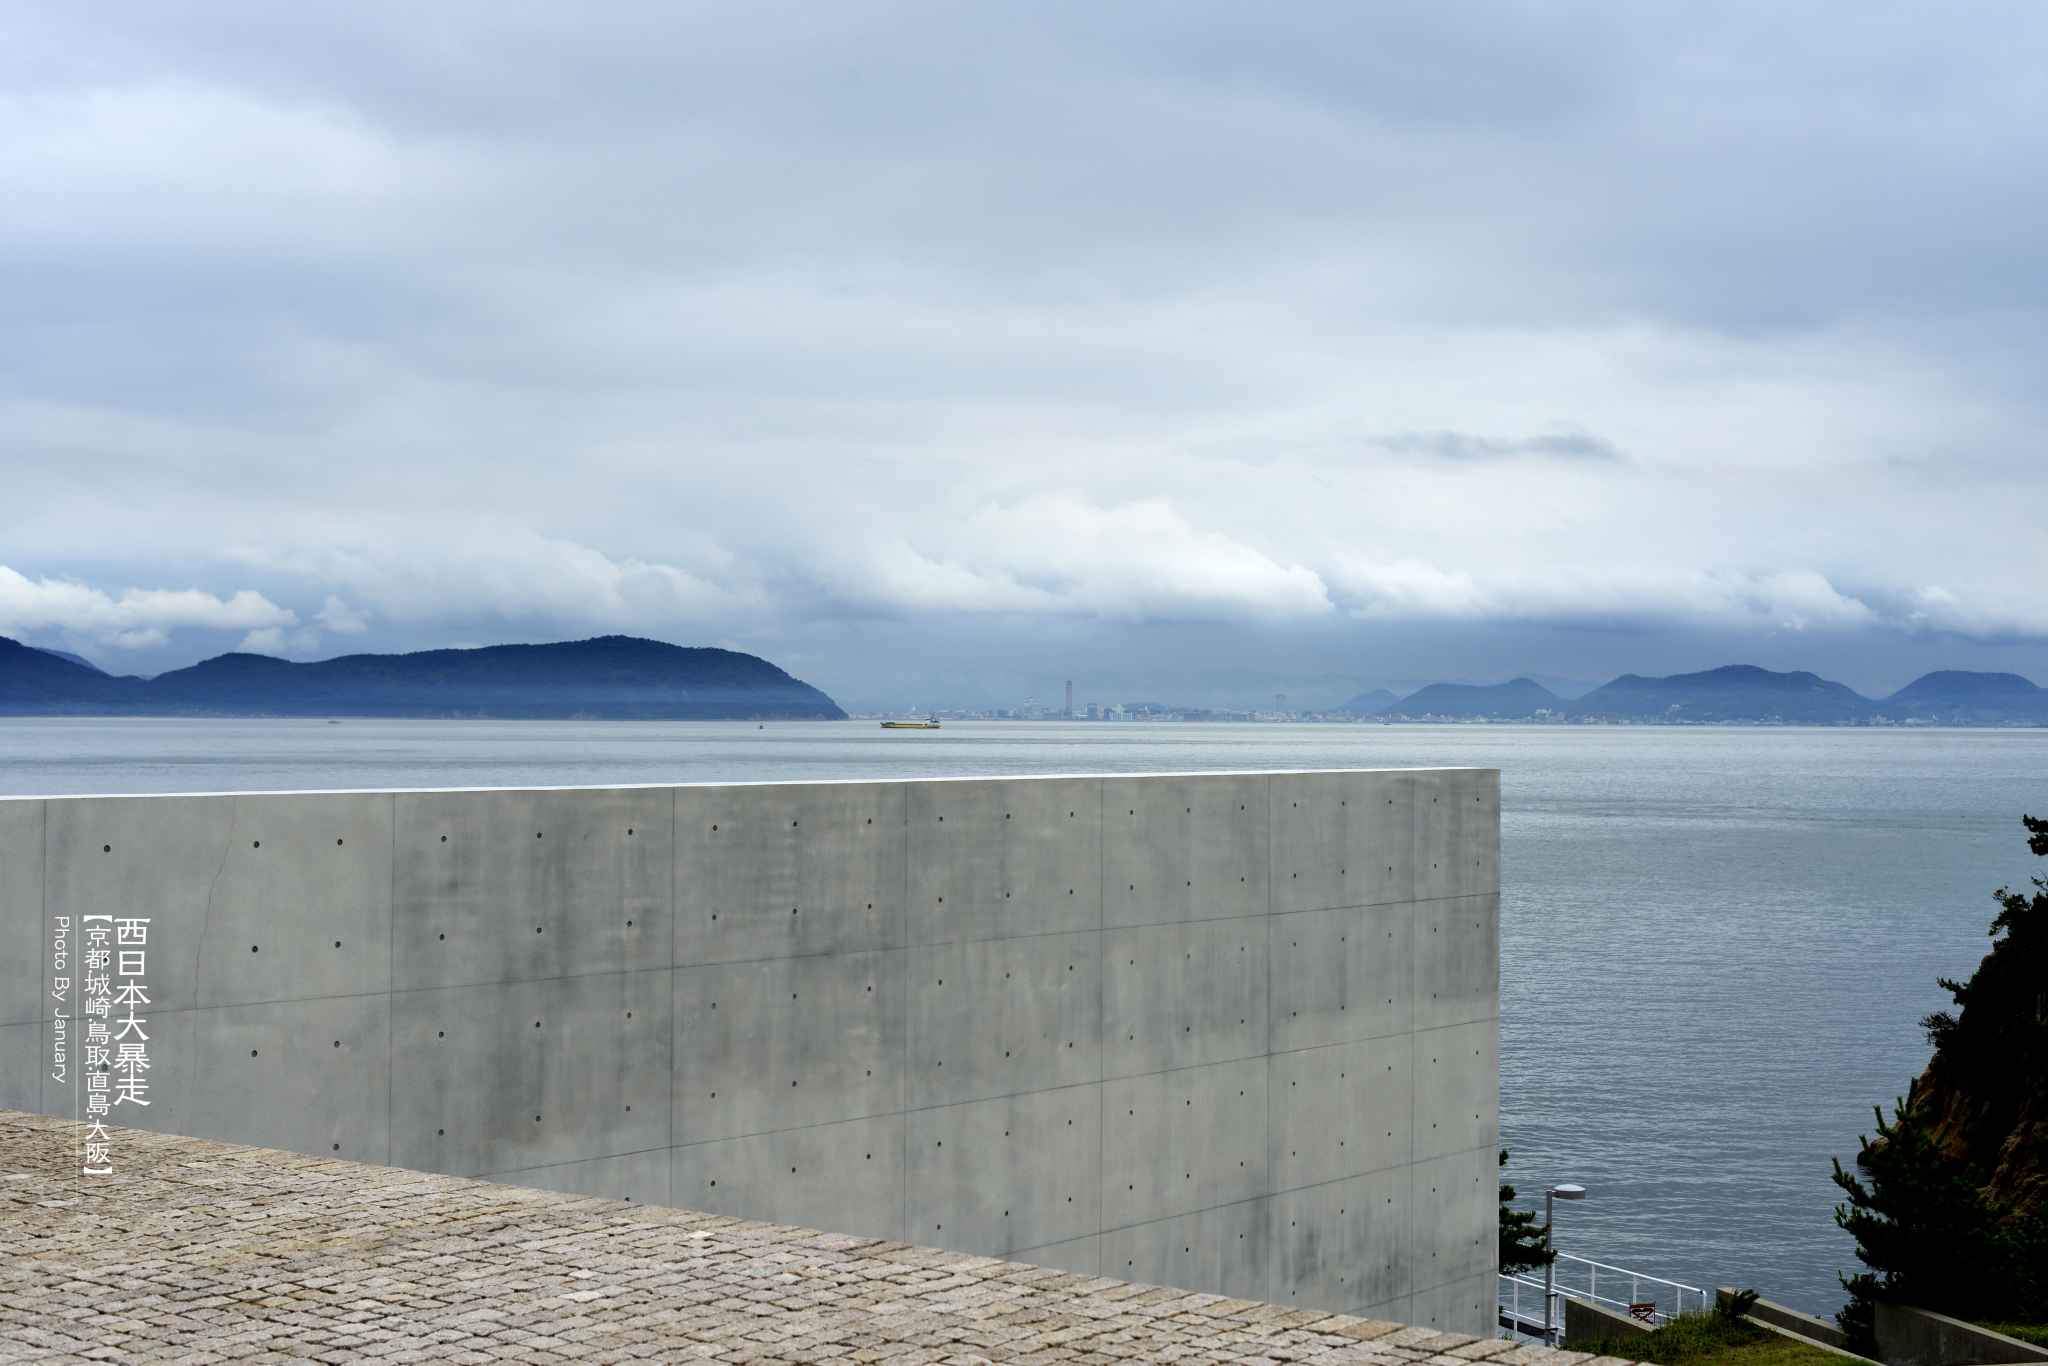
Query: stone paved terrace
[(195, 1251)]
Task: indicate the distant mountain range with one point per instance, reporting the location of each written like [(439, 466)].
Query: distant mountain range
[(625, 678), (609, 678), (1369, 703), (1519, 699), (1738, 693)]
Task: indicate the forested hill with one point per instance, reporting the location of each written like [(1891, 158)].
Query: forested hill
[(1516, 700), (609, 678), (1956, 696), (1739, 692), (1743, 692)]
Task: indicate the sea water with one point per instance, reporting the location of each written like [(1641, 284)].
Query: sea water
[(1716, 943)]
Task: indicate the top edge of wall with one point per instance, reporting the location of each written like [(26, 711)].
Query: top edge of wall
[(799, 782)]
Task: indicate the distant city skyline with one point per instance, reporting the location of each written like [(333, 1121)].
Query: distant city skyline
[(956, 353)]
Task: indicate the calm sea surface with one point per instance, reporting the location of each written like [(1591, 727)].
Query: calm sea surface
[(1715, 943)]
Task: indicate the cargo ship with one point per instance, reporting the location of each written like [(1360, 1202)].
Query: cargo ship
[(929, 723)]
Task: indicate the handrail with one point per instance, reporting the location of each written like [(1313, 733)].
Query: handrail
[(1637, 1275), (1658, 1315)]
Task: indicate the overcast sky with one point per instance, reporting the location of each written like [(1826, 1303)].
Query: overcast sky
[(941, 346)]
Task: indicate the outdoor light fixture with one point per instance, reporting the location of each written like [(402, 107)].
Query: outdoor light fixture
[(1553, 1331)]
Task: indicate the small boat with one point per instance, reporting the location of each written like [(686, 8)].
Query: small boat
[(929, 723)]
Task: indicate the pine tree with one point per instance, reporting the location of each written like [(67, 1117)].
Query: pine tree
[(1933, 1227), (1926, 1233), (1524, 1243)]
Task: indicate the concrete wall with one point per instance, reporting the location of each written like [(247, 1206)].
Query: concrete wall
[(1790, 1322), (1231, 1032), (1585, 1321), (1920, 1337)]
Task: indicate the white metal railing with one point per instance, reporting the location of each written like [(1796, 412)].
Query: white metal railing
[(1579, 1278)]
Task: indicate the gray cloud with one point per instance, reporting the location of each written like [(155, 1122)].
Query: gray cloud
[(1463, 446), (1183, 330)]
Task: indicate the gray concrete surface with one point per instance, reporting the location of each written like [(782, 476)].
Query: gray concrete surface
[(1919, 1337), (1586, 1321), (1790, 1322), (1236, 1033)]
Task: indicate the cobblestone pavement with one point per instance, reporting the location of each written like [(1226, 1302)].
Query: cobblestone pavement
[(202, 1252)]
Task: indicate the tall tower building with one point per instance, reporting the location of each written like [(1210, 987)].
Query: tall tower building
[(1070, 699)]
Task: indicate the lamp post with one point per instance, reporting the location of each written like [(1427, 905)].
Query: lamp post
[(1567, 1191)]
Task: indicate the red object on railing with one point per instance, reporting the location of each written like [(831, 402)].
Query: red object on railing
[(1645, 1313)]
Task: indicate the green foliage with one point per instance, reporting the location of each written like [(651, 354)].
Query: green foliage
[(1712, 1339), (1524, 1243), (1736, 1304), (1998, 1030), (1928, 1236), (1924, 1229), (2035, 1333)]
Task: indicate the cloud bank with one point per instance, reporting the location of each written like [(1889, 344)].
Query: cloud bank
[(1387, 341)]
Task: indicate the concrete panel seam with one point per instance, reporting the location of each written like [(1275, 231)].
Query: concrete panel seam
[(926, 944), (517, 982), (903, 1113), (43, 1037), (903, 938), (675, 1016), (390, 977), (1288, 1190), (1272, 871), (1101, 1007), (495, 1173), (206, 914)]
